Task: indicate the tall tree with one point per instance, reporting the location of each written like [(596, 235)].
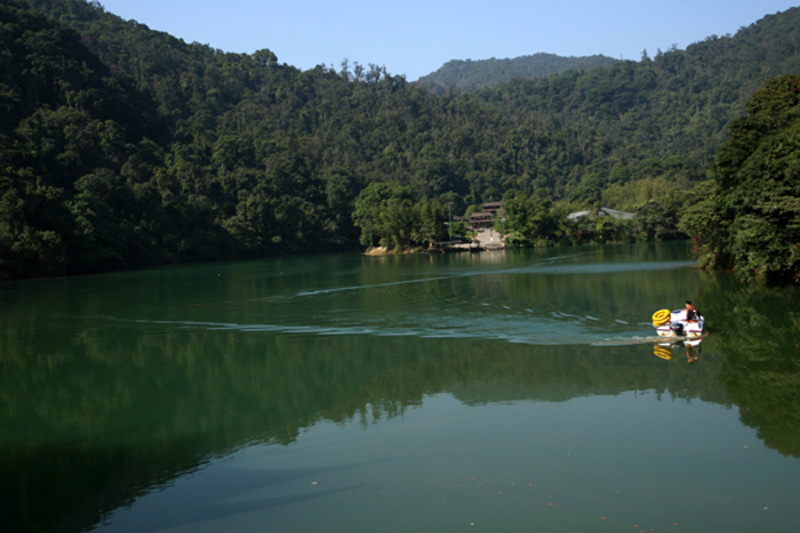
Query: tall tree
[(750, 220)]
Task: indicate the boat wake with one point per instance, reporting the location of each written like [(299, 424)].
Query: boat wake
[(461, 301), (561, 330)]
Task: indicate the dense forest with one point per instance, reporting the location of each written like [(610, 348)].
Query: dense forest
[(754, 200), (467, 75), (123, 147)]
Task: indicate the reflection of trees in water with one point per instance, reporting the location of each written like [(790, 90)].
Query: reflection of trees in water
[(758, 332), (90, 428), (94, 427)]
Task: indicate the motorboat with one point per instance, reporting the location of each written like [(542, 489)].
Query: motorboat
[(675, 324)]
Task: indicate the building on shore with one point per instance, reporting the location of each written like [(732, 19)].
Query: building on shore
[(486, 216)]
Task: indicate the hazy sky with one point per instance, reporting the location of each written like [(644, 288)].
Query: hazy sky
[(416, 37)]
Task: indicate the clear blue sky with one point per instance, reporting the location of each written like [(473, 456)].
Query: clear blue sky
[(416, 37)]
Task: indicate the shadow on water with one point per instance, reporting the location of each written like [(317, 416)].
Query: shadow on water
[(114, 385)]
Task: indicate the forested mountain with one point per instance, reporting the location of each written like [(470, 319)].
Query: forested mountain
[(466, 75), (121, 146)]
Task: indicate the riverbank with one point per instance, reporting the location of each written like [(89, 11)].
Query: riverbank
[(382, 250)]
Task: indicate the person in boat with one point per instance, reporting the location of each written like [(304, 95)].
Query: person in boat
[(692, 351), (692, 313)]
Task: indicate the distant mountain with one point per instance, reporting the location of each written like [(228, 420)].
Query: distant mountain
[(468, 75)]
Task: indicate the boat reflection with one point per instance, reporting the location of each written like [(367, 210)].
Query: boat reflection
[(665, 350)]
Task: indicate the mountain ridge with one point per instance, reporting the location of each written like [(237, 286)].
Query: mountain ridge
[(468, 74)]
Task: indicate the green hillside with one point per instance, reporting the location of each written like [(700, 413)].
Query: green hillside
[(122, 147), (466, 75)]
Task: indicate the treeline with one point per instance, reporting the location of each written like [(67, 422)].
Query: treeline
[(121, 146)]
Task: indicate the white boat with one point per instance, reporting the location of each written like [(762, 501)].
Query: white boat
[(674, 324)]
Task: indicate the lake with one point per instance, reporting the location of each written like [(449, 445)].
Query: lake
[(503, 391)]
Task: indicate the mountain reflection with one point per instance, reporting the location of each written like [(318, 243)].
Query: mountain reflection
[(156, 406), (99, 410)]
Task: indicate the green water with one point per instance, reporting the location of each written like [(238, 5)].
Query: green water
[(510, 391)]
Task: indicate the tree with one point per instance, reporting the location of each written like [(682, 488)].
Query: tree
[(754, 203), (432, 220), (383, 212), (528, 219)]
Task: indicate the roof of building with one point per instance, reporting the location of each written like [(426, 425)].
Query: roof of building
[(602, 212)]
